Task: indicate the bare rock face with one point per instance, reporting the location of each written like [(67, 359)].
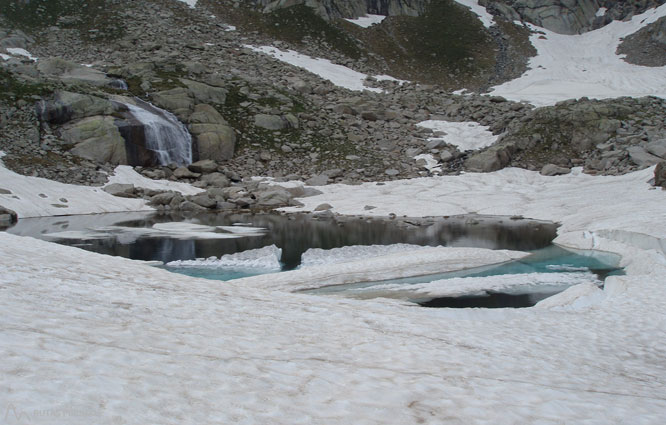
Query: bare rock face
[(646, 47), (330, 9), (213, 138)]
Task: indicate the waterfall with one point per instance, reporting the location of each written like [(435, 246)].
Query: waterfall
[(119, 84), (165, 136)]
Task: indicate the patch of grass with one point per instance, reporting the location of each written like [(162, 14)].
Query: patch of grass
[(447, 45), (95, 19), (12, 89)]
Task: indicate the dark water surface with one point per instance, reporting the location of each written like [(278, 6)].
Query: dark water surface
[(294, 234)]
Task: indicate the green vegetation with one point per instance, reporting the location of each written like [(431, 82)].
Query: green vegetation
[(95, 19), (12, 89), (446, 45)]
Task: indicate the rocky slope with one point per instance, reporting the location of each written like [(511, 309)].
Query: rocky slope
[(250, 115)]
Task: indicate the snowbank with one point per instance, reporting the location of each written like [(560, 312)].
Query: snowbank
[(573, 66), (466, 135), (367, 21), (393, 265), (38, 197), (266, 258)]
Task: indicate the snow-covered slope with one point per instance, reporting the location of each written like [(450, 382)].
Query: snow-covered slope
[(573, 66)]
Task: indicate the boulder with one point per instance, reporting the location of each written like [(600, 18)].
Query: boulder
[(218, 180), (205, 166), (271, 122), (323, 207), (213, 138), (203, 93), (657, 148), (660, 174), (177, 101), (203, 199), (163, 198), (554, 170), (121, 190), (185, 173), (66, 106), (97, 139), (319, 180), (641, 158), (492, 159), (72, 73), (273, 197)]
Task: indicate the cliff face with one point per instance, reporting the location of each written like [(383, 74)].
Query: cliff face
[(330, 9), (562, 16)]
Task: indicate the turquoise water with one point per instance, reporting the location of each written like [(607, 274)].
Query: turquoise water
[(552, 259)]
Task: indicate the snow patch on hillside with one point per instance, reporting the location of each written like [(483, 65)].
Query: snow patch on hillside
[(466, 135), (486, 18), (337, 74), (367, 21), (573, 66), (191, 3)]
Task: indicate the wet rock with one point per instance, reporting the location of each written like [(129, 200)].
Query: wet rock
[(323, 207), (66, 106), (97, 139), (217, 180), (163, 198), (319, 180)]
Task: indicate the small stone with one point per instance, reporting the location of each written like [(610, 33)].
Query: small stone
[(554, 170)]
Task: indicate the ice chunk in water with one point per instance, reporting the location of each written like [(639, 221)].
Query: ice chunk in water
[(266, 258), (318, 256)]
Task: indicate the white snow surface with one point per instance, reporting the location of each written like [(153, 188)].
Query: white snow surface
[(431, 164), (486, 18), (466, 135), (191, 3), (125, 174), (573, 66), (318, 256), (458, 286), (17, 51), (38, 197), (87, 338), (266, 258), (396, 264), (337, 74), (367, 21), (4, 56), (601, 12)]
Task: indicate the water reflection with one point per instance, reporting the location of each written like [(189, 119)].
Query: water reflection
[(293, 233)]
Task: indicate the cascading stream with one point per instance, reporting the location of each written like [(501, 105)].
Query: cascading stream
[(164, 134)]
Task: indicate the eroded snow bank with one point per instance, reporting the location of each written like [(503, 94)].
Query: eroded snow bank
[(573, 66), (467, 135), (395, 265), (367, 21), (38, 197), (265, 259), (337, 74)]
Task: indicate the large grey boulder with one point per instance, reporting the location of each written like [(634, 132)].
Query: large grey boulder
[(641, 158), (66, 106), (204, 93), (273, 197), (72, 73), (97, 139), (213, 138), (121, 190), (489, 160), (270, 122), (554, 170), (657, 148), (205, 166)]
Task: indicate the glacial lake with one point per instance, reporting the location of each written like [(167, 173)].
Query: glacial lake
[(226, 246)]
